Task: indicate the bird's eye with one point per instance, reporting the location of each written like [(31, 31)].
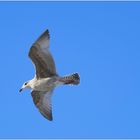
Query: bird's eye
[(25, 83)]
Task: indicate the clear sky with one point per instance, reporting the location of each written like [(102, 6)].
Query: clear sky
[(100, 41)]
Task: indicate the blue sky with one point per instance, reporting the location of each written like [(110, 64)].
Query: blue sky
[(100, 41)]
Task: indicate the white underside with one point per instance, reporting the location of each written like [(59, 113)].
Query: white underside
[(44, 84)]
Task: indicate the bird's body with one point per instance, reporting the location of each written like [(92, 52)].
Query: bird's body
[(46, 78), (45, 84)]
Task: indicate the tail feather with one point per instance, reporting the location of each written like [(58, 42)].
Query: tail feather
[(72, 79)]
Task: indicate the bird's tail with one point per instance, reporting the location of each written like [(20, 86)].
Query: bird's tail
[(71, 79)]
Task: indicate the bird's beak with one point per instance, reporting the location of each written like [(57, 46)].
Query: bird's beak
[(20, 89)]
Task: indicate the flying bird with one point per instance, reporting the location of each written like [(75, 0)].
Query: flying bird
[(46, 77)]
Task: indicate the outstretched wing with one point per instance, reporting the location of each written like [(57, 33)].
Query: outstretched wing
[(41, 57), (42, 100)]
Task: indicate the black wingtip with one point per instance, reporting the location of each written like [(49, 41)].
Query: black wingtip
[(47, 33), (47, 116), (50, 118), (47, 30)]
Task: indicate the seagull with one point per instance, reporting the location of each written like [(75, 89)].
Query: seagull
[(46, 77)]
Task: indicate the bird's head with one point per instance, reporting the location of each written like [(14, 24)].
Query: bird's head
[(25, 85)]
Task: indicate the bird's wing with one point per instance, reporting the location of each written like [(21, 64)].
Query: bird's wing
[(42, 100), (41, 57)]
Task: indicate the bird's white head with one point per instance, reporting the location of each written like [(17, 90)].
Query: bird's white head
[(25, 85)]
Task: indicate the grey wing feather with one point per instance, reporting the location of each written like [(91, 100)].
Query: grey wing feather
[(41, 57), (42, 100)]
